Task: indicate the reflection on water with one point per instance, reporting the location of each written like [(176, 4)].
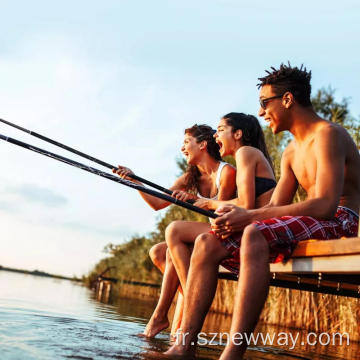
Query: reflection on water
[(43, 318)]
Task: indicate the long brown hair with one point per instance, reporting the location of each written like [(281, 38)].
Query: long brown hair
[(200, 133)]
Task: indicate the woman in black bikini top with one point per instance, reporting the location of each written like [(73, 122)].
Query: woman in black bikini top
[(240, 136)]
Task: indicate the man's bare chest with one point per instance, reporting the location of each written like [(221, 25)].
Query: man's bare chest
[(304, 167)]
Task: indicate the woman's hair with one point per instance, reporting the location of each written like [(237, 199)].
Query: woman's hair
[(252, 134), (200, 133)]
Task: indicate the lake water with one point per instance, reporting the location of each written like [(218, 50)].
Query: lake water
[(45, 318)]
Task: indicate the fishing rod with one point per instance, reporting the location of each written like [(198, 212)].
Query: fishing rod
[(110, 176), (77, 152)]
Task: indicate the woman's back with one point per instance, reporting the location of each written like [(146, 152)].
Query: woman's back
[(264, 180)]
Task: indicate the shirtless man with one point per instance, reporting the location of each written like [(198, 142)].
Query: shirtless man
[(324, 160)]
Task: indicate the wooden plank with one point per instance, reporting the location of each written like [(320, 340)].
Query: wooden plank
[(319, 284), (336, 284), (327, 247), (343, 281), (327, 264)]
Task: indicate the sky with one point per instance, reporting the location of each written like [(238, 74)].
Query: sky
[(121, 80)]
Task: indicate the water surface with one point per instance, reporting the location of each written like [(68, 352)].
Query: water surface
[(45, 318)]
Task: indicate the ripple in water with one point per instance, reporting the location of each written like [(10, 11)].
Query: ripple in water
[(43, 318)]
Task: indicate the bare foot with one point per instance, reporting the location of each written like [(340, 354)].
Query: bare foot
[(179, 352), (154, 326)]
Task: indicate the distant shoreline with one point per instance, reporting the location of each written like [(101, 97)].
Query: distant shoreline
[(39, 273)]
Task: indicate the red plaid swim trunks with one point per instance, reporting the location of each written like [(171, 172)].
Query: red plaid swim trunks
[(284, 233)]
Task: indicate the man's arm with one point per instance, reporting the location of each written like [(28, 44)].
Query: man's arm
[(287, 185), (330, 164), (330, 159)]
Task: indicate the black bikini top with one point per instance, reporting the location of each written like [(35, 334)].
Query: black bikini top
[(262, 185)]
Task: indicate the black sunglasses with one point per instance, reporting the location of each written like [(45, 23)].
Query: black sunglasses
[(264, 101)]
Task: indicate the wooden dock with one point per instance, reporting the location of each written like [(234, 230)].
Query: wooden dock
[(324, 266)]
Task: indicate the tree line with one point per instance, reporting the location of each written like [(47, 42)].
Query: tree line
[(130, 260)]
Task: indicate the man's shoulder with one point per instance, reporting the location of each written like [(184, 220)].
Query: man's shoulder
[(327, 130), (290, 149), (288, 154)]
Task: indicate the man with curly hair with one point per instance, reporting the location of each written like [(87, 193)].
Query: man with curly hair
[(324, 160)]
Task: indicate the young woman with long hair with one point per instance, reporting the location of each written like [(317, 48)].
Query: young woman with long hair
[(206, 177), (238, 135)]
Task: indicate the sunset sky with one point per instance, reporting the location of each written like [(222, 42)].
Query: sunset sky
[(121, 80)]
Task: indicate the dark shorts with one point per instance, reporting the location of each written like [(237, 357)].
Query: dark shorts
[(284, 233)]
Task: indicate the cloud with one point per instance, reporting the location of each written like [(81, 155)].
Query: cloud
[(8, 207), (36, 194), (122, 233)]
